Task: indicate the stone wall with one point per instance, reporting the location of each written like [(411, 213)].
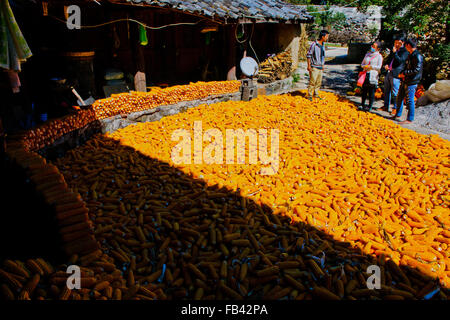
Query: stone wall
[(76, 138), (276, 87), (357, 26), (156, 114)]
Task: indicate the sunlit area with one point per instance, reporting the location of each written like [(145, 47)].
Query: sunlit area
[(224, 158)]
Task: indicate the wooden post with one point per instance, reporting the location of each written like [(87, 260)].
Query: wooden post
[(231, 57), (178, 45), (138, 53)]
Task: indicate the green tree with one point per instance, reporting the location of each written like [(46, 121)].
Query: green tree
[(428, 20), (323, 17), (415, 16)]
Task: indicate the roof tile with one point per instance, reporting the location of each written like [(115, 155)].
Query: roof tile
[(268, 9)]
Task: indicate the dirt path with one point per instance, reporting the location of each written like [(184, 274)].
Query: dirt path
[(339, 77)]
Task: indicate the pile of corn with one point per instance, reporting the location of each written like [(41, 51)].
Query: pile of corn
[(123, 103), (233, 233), (67, 207), (137, 101), (352, 190)]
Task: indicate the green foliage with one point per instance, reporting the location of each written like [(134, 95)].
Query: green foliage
[(337, 20), (301, 2), (442, 52), (373, 30), (428, 20), (324, 17), (295, 77), (321, 2), (415, 16)]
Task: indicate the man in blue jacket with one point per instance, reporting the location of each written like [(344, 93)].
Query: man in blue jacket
[(410, 77), (316, 61), (395, 65)]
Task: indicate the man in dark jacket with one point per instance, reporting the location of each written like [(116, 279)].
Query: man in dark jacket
[(395, 65), (410, 77)]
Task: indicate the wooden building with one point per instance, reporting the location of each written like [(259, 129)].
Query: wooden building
[(188, 41)]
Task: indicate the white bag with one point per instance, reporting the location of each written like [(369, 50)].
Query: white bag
[(439, 91)]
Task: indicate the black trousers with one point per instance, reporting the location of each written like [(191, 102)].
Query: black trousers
[(368, 89)]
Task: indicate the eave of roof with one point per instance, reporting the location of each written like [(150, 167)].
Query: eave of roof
[(232, 11)]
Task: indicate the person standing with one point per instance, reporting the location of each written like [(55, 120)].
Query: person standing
[(316, 62), (396, 63), (372, 64), (410, 77)]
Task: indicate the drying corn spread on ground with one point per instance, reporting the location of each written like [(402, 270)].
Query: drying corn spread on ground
[(352, 190), (356, 176), (124, 103), (37, 279), (352, 175)]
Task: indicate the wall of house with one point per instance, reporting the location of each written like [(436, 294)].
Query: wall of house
[(289, 39), (174, 55), (273, 38)]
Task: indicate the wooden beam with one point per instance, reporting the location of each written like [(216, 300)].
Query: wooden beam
[(136, 47), (70, 2), (217, 20), (248, 20), (230, 36)]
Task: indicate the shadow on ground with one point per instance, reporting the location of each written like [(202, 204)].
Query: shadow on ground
[(338, 60), (199, 236), (28, 228)]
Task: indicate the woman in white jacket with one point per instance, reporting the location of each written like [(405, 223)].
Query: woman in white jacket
[(372, 65)]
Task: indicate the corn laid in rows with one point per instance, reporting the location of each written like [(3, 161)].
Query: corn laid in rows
[(352, 190), (37, 279), (123, 103)]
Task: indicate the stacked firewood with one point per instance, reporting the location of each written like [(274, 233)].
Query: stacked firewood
[(277, 67)]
